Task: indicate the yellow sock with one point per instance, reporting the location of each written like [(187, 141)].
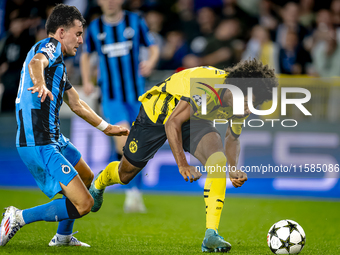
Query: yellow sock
[(109, 176), (214, 189)]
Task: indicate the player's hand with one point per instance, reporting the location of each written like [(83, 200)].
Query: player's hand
[(145, 68), (88, 88), (237, 178), (43, 92), (113, 130), (191, 172)]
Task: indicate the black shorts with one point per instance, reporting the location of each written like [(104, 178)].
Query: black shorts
[(146, 138)]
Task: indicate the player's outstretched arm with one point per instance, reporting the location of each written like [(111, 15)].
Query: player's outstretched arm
[(173, 130), (232, 151), (80, 108), (36, 70)]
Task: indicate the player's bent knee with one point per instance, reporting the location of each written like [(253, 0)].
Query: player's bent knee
[(217, 163), (72, 210), (87, 205), (78, 211)]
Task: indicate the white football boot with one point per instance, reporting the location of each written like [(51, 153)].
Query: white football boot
[(9, 225), (68, 240), (134, 201)]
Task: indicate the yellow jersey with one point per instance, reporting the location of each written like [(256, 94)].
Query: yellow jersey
[(190, 85)]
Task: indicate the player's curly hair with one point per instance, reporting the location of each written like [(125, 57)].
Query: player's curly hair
[(252, 73), (63, 16)]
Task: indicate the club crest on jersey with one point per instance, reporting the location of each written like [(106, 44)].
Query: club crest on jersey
[(133, 147), (101, 36), (66, 169), (128, 32)]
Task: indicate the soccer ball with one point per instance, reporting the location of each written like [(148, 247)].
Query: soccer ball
[(286, 237)]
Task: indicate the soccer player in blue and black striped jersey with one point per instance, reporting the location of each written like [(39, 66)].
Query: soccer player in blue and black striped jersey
[(117, 36), (51, 158)]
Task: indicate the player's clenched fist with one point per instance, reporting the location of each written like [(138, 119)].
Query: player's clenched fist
[(113, 130), (237, 178)]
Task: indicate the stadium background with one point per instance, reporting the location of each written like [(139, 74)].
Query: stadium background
[(299, 39), (192, 33)]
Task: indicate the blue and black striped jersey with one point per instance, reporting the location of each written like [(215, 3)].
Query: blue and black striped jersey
[(118, 50), (38, 123)]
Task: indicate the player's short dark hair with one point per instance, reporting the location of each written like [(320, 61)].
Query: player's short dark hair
[(63, 16), (245, 74)]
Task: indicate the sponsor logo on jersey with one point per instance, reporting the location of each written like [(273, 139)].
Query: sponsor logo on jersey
[(117, 49), (66, 169), (128, 32)]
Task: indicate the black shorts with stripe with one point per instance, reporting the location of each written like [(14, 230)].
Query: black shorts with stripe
[(146, 138)]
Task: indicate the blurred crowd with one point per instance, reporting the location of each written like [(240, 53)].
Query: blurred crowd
[(294, 37)]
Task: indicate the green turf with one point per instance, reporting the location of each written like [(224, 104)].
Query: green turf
[(176, 224)]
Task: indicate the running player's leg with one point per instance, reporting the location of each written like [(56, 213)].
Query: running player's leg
[(210, 152), (206, 145), (117, 172), (53, 173), (64, 237)]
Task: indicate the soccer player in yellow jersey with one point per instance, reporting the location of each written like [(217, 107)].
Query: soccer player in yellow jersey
[(172, 110)]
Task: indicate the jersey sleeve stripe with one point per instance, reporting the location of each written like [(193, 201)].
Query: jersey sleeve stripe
[(190, 101), (120, 65), (37, 48), (132, 57), (101, 30), (142, 33), (89, 45), (145, 33), (68, 85)]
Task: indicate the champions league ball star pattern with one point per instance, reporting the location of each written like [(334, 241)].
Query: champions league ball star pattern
[(197, 99), (286, 237)]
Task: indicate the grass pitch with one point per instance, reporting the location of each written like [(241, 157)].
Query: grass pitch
[(175, 224)]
